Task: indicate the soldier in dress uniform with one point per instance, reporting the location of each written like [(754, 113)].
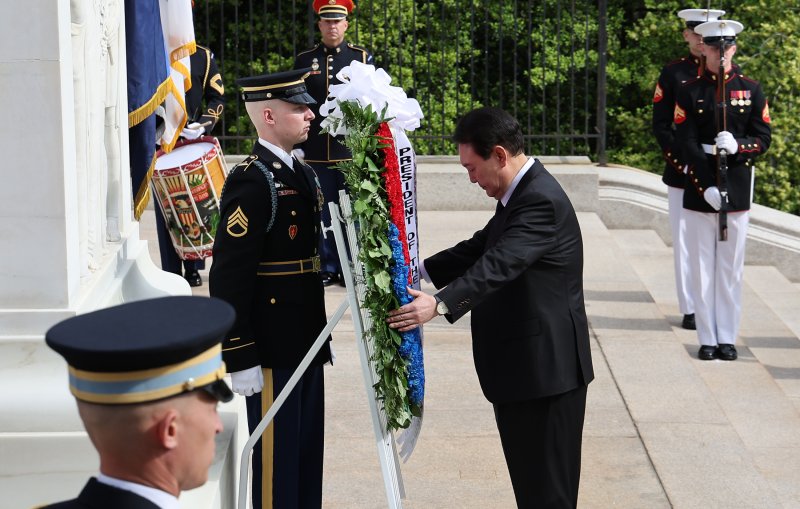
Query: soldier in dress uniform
[(322, 151), (701, 132), (147, 377), (672, 76), (266, 264), (206, 87)]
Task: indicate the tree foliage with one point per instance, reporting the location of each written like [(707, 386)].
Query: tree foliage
[(537, 59)]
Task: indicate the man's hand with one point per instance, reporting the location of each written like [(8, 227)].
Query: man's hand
[(727, 142), (712, 196), (248, 381), (421, 310), (193, 131)]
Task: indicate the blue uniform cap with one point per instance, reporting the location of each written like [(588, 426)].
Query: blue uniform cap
[(145, 350), (289, 86)]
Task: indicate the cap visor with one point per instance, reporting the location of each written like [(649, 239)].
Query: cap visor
[(303, 98), (219, 390), (332, 15)]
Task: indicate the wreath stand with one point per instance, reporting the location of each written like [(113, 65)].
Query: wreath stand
[(387, 449)]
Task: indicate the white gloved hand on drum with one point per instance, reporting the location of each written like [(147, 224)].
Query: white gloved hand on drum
[(248, 381), (193, 131)]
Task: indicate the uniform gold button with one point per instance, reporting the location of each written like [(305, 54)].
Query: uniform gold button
[(675, 161), (699, 111), (294, 213), (741, 110), (272, 300), (330, 67)]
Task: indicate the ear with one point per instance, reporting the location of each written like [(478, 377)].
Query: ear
[(269, 116), (168, 428), (501, 153)]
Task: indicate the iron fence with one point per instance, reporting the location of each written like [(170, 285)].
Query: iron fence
[(541, 60)]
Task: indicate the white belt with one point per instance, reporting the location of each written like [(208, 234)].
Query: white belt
[(709, 149)]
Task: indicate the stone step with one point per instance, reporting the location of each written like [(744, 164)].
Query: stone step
[(745, 417)]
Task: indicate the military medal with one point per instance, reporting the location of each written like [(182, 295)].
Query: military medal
[(315, 64)]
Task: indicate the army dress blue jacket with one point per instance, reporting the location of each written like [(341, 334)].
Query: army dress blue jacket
[(265, 244), (326, 63)]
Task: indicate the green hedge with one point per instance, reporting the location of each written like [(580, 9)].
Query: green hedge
[(455, 55)]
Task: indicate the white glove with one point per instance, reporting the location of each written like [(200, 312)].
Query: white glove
[(248, 381), (193, 131), (726, 141), (712, 196)]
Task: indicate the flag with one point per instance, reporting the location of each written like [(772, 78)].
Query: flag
[(148, 85), (178, 27)]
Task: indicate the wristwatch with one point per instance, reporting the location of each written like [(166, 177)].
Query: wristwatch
[(441, 307)]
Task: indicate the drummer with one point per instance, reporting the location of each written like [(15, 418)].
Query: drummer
[(206, 87)]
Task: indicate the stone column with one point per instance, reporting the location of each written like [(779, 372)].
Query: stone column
[(44, 276)]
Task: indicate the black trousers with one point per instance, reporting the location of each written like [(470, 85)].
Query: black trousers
[(542, 444), (287, 460), (331, 180)]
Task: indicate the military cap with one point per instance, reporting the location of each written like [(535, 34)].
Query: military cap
[(289, 86), (145, 350), (694, 17), (333, 9), (725, 29)]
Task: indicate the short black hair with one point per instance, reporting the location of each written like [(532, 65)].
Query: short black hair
[(487, 127)]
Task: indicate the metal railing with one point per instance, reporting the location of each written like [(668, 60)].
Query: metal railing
[(541, 60)]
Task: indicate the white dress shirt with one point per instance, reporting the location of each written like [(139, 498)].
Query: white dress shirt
[(160, 498)]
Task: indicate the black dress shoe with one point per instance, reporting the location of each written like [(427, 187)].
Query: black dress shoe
[(688, 322), (340, 277), (328, 278), (727, 352), (193, 277), (707, 353)]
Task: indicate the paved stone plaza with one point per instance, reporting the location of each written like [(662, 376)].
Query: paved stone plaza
[(663, 429)]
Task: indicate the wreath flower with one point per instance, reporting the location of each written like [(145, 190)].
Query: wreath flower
[(368, 112)]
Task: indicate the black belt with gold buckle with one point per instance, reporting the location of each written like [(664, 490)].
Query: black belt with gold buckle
[(289, 268)]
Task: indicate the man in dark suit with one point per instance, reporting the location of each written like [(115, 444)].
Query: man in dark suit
[(206, 86), (147, 377), (266, 264), (323, 151), (521, 276)]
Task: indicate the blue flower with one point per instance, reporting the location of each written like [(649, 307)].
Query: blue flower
[(411, 344)]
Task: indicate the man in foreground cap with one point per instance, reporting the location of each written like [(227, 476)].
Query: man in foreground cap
[(266, 264), (709, 119), (672, 76), (147, 377), (323, 151)]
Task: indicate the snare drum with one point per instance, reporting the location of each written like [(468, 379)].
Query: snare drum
[(187, 184)]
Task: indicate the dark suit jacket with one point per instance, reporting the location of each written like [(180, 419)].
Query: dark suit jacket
[(522, 278), (278, 317), (96, 495)]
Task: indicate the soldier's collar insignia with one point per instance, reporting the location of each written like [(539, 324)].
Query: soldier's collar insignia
[(276, 165)]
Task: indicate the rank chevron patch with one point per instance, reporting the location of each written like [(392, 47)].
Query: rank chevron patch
[(237, 223), (659, 94), (680, 115)]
